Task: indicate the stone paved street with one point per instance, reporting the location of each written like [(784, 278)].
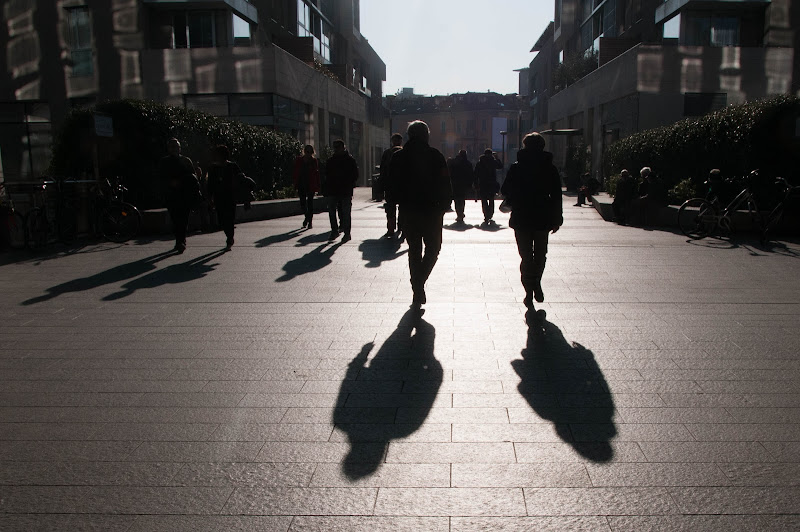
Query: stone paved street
[(285, 385)]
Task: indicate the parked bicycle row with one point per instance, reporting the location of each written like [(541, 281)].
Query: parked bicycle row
[(59, 209)]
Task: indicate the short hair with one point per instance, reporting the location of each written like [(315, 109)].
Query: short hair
[(646, 171), (222, 152), (624, 173), (533, 141), (462, 153), (308, 147), (338, 141), (397, 138), (487, 151), (418, 130)]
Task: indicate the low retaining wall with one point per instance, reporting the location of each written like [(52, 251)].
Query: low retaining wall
[(157, 222)]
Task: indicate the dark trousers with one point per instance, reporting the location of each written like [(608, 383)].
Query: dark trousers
[(226, 214), (342, 206), (393, 221), (532, 247), (307, 205), (422, 230), (460, 202), (179, 215), (487, 204)]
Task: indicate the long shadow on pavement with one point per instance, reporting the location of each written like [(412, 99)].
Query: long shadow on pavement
[(371, 420), (376, 251), (277, 239), (563, 384), (313, 261), (191, 270), (112, 275)]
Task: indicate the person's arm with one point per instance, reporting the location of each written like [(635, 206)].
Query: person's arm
[(445, 189), (556, 209)]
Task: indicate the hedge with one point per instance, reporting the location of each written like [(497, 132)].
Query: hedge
[(141, 131), (736, 139)]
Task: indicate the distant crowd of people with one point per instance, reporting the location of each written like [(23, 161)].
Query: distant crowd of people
[(419, 186)]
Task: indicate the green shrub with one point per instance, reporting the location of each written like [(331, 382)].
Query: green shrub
[(737, 139), (684, 190), (141, 131), (611, 185)]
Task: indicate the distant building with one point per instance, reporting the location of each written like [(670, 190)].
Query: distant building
[(472, 121), (297, 66), (609, 68)]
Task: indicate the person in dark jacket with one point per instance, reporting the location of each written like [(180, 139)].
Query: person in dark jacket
[(461, 173), (181, 190), (486, 180), (422, 187), (222, 187), (341, 174), (392, 223), (534, 188), (306, 180), (626, 191)]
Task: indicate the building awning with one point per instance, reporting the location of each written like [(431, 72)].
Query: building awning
[(243, 8), (567, 132)]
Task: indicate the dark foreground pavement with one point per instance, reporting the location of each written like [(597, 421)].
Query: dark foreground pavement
[(284, 385)]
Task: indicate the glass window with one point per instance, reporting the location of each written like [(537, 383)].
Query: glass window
[(201, 30), (213, 104), (251, 104), (672, 27), (80, 36), (724, 31), (241, 31)]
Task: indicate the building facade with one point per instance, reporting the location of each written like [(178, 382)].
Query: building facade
[(301, 67), (617, 67), (473, 121)]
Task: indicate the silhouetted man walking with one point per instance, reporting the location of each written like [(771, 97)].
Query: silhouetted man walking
[(180, 189), (461, 178), (390, 206), (342, 175), (420, 179)]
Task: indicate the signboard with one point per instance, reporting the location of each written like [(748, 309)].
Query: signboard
[(103, 125)]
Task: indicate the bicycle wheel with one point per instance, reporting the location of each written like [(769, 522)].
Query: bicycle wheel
[(16, 230), (697, 218), (67, 224), (771, 221), (119, 222), (37, 228)]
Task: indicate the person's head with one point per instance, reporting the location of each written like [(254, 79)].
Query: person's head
[(338, 146), (418, 130), (462, 153), (222, 152), (715, 175), (173, 146), (308, 150), (624, 174), (533, 141), (645, 172), (397, 139), (487, 152)]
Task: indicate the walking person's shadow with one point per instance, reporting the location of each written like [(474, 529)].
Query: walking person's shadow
[(110, 276), (376, 251), (277, 239), (368, 442), (314, 260), (191, 270), (583, 412)]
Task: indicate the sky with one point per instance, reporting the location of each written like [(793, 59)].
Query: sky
[(447, 46)]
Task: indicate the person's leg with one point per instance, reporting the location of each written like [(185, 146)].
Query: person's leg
[(304, 206), (490, 206), (485, 209), (310, 208), (460, 202), (432, 238), (346, 206), (391, 217), (332, 215), (540, 240), (180, 223), (526, 269), (228, 215), (412, 230)]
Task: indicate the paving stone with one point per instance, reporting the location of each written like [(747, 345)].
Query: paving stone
[(662, 393)]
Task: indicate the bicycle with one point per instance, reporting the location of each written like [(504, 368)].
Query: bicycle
[(699, 217), (117, 220)]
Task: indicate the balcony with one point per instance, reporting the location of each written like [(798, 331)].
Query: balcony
[(242, 8)]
